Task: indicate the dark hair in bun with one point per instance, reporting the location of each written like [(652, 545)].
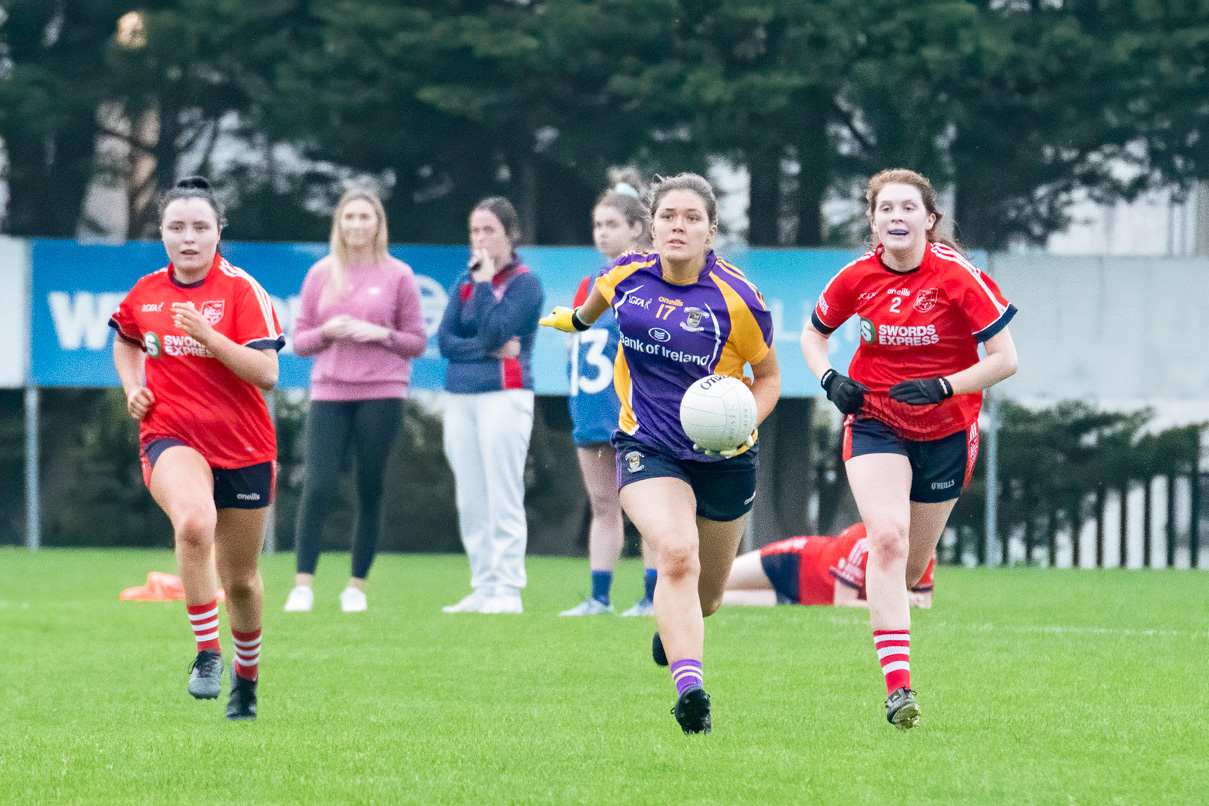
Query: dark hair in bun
[(193, 187)]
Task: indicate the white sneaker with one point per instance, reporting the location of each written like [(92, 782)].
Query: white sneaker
[(643, 607), (588, 607), (469, 604), (353, 600), (300, 600), (502, 603)]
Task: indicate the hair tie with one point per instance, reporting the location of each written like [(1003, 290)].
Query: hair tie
[(625, 189)]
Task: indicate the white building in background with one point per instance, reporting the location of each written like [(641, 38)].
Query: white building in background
[(1156, 225)]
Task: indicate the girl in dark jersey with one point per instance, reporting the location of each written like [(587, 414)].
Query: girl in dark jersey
[(911, 434)]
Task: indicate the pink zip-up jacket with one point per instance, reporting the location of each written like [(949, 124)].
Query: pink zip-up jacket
[(381, 293)]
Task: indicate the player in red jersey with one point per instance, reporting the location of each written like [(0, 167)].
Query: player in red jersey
[(911, 434), (197, 343), (813, 570)]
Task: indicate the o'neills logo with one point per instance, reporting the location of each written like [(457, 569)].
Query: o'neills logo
[(213, 310), (925, 300)]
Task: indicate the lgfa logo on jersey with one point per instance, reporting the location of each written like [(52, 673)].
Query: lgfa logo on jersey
[(213, 310), (152, 344)]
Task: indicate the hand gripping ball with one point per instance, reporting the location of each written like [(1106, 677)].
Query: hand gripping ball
[(718, 412)]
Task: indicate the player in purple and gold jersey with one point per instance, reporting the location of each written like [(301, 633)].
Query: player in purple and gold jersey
[(684, 313)]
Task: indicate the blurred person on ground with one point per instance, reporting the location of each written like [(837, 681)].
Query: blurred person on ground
[(619, 226), (487, 335), (684, 313), (812, 570), (197, 347), (912, 401), (360, 315)]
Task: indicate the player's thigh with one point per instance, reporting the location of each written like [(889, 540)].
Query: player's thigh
[(237, 541), (663, 509), (719, 543), (183, 485), (747, 573), (881, 485), (927, 525), (598, 464)]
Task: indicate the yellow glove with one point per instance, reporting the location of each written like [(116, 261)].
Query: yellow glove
[(559, 319)]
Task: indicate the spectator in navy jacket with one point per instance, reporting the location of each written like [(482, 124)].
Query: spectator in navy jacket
[(487, 335)]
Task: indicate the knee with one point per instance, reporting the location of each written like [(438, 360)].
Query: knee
[(194, 527), (240, 587), (889, 542), (915, 572), (678, 562)]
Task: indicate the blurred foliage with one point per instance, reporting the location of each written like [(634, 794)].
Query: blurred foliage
[(1015, 105), (1055, 464)]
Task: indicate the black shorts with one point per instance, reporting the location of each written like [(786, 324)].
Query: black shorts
[(784, 569), (940, 468), (725, 490), (234, 488)]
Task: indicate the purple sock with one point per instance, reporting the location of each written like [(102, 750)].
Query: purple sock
[(686, 674)]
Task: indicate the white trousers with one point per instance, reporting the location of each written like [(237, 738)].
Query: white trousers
[(486, 442)]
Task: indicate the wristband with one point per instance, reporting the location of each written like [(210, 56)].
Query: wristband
[(578, 323)]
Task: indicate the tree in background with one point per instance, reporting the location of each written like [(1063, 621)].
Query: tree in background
[(1016, 106)]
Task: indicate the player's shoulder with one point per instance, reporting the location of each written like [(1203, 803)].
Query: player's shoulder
[(234, 277), (153, 280), (723, 272), (950, 261), (629, 264)]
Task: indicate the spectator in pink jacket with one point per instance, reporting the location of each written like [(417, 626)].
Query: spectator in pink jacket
[(361, 319)]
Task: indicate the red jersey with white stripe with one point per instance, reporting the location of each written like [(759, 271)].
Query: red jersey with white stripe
[(198, 400), (924, 323), (823, 561)]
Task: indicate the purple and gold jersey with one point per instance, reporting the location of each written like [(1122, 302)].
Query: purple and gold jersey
[(672, 335)]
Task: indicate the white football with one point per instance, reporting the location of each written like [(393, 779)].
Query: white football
[(718, 412)]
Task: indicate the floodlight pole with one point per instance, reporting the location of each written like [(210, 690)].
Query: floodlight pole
[(991, 527), (33, 509)]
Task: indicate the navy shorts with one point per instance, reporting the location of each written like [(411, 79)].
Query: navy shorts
[(725, 490), (784, 569), (236, 488), (940, 468)]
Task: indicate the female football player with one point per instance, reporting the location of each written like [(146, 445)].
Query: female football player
[(912, 401), (684, 313), (619, 225), (197, 345)]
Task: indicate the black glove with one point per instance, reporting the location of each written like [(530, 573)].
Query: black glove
[(847, 395), (922, 392)]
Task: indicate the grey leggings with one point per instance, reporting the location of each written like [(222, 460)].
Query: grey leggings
[(370, 425)]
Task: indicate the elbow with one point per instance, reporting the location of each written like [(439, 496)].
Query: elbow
[(268, 381), (1010, 365)]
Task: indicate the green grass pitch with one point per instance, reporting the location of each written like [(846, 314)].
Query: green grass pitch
[(1048, 687)]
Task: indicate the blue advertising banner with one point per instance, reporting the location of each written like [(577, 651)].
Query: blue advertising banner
[(76, 287)]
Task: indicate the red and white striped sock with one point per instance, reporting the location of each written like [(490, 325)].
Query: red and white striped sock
[(204, 619), (894, 652), (247, 653)]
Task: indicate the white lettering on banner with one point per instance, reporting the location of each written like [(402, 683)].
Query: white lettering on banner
[(82, 318)]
